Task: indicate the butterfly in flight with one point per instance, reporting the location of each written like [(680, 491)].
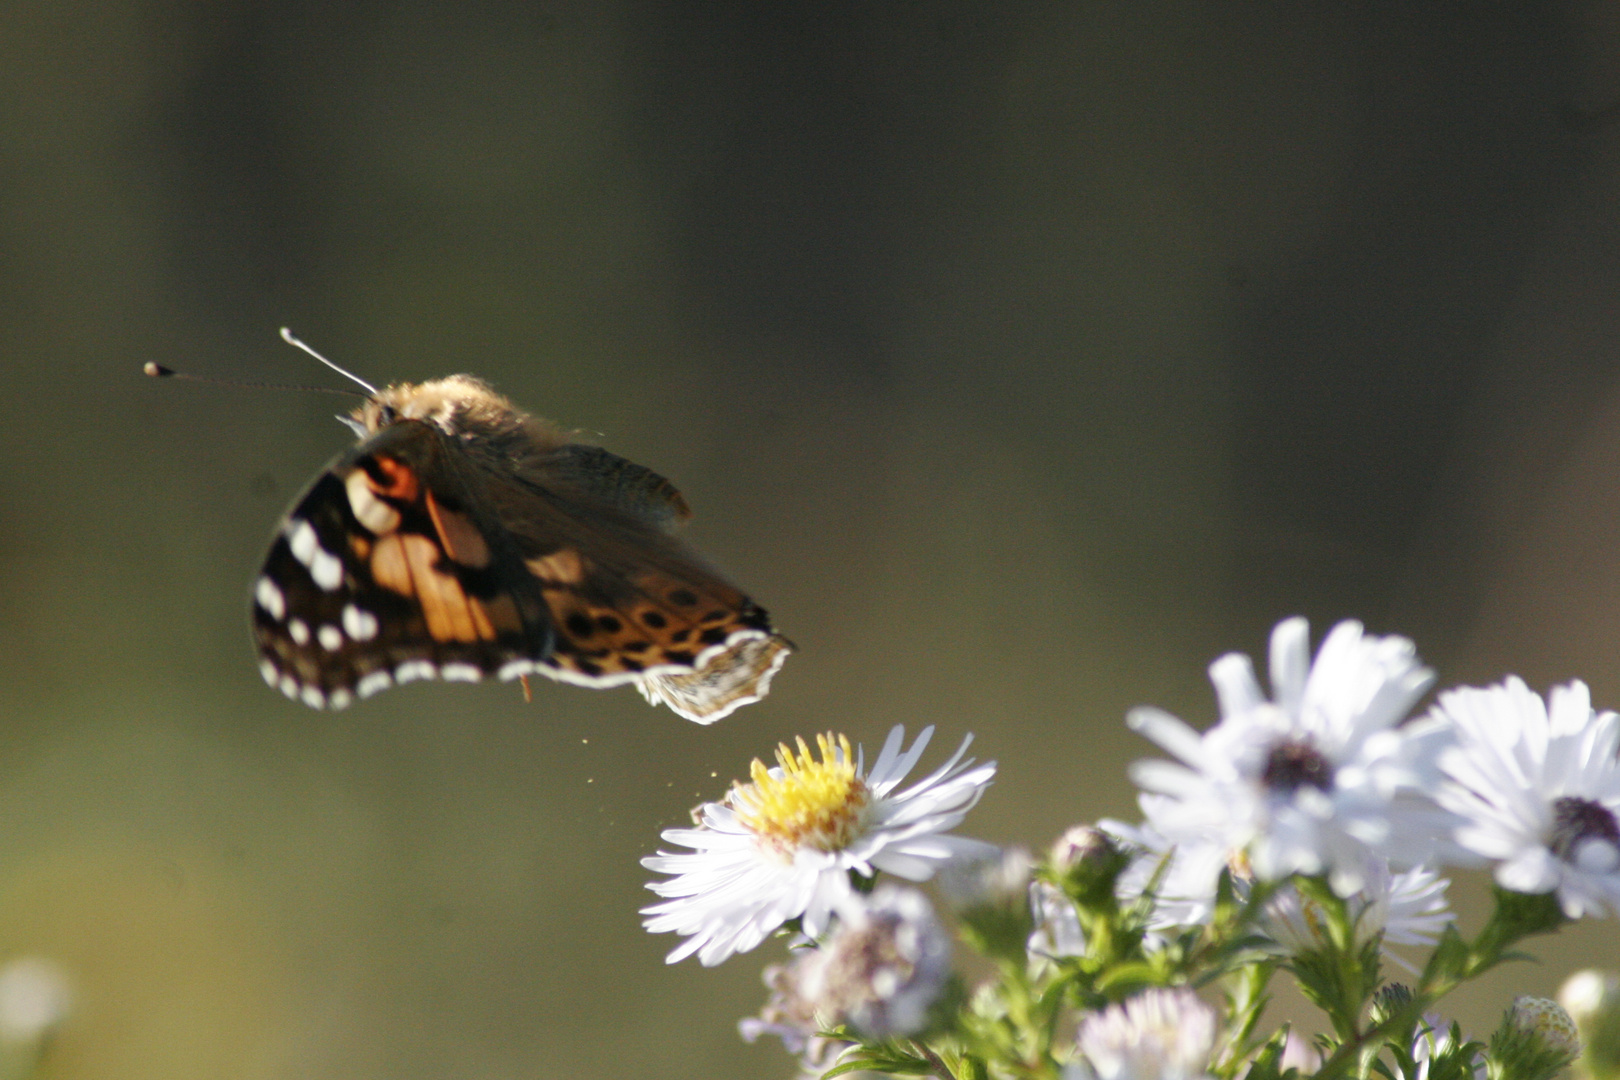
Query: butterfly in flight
[(461, 539)]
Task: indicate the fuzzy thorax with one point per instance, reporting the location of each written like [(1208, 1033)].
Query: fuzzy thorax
[(464, 408)]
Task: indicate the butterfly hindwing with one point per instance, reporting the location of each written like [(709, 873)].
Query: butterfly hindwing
[(389, 569), (738, 675), (628, 601)]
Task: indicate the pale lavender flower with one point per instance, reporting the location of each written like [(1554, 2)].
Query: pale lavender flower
[(1407, 908), (1312, 779), (884, 965), (1537, 785), (1156, 1035)]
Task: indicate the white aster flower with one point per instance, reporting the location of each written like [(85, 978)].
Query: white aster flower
[(782, 847), (879, 972), (1407, 908), (1316, 777), (1183, 876), (1156, 1035), (1538, 785)]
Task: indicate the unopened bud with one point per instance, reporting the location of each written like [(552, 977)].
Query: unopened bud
[(1536, 1041), (1082, 844), (1547, 1019)]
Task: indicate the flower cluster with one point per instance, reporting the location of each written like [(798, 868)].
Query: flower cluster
[(1305, 831)]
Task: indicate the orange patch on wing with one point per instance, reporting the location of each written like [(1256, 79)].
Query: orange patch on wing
[(444, 605), (389, 566), (562, 567), (405, 563), (461, 539), (401, 484)]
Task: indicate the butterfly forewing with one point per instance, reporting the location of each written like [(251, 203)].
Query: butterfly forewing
[(389, 570)]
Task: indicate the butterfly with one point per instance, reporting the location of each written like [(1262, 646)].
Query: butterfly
[(462, 538)]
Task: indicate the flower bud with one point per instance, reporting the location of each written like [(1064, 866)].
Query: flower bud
[(1082, 844), (1536, 1041), (992, 901), (996, 880), (1087, 862), (1547, 1019)]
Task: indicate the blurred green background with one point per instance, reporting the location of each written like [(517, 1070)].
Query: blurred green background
[(1021, 358)]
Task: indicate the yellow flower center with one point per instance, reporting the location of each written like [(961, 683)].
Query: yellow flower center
[(815, 804)]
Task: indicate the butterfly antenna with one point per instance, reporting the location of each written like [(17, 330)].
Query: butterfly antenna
[(287, 336), (158, 371)]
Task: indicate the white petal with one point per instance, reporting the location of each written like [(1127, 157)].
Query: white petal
[(1169, 732), (1236, 688), (1290, 663)]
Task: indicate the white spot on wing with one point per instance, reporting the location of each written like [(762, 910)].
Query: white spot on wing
[(298, 631), (339, 700), (301, 538), (313, 697), (360, 625), (326, 570), (289, 686), (377, 680), (330, 637), (513, 668), (268, 596), (369, 510), (411, 670), (268, 670), (460, 673)]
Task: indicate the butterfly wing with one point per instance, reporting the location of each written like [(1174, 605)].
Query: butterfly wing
[(390, 568), (738, 675), (628, 601)]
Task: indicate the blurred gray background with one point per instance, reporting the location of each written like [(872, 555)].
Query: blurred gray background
[(1021, 358)]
